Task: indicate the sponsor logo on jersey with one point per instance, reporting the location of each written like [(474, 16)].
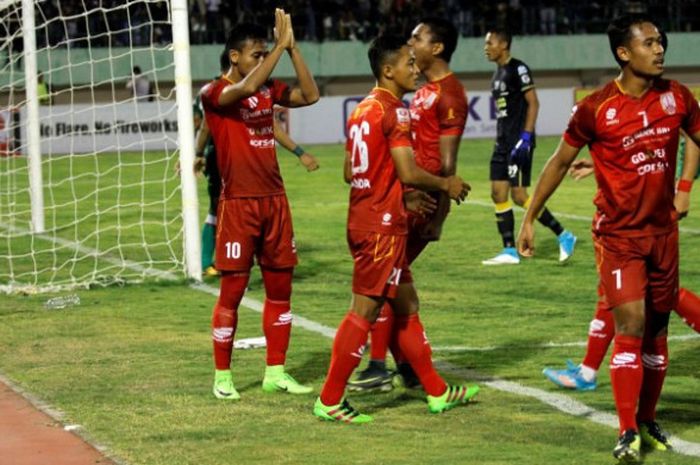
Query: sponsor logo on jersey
[(262, 143), (360, 183), (668, 103), (403, 116), (252, 102)]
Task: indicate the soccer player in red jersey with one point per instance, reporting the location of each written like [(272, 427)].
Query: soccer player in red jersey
[(438, 115), (378, 160), (582, 377), (253, 215), (632, 127)]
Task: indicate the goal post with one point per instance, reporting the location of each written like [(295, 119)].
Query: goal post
[(90, 190)]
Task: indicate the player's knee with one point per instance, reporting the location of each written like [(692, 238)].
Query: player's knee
[(519, 198), (233, 287), (278, 283)]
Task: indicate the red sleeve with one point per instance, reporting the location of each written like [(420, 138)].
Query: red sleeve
[(581, 128), (397, 127), (210, 94), (691, 122), (452, 112), (278, 89)]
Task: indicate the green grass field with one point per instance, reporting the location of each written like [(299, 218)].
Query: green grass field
[(133, 365)]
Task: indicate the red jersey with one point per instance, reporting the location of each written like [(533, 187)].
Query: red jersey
[(633, 143), (439, 108), (378, 124), (244, 138)]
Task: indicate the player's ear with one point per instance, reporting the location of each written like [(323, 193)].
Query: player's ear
[(438, 48), (234, 55), (623, 53), (388, 71)]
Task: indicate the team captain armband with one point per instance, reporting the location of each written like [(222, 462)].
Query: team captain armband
[(684, 185)]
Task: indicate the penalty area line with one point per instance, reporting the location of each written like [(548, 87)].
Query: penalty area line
[(561, 402)]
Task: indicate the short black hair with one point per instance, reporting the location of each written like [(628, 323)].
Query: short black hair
[(224, 61), (137, 70), (382, 49), (619, 32), (443, 31), (243, 32), (503, 34)]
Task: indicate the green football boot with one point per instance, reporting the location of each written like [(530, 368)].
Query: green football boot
[(653, 437), (627, 449), (343, 412), (223, 386), (277, 380), (454, 395)]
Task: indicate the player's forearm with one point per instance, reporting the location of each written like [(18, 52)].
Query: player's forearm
[(202, 137), (253, 81), (307, 83), (283, 138), (420, 179), (449, 147), (533, 108), (531, 117), (691, 160)]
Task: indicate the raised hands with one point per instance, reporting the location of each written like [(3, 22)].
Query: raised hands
[(284, 33)]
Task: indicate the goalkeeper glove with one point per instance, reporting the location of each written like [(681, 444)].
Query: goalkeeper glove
[(521, 152)]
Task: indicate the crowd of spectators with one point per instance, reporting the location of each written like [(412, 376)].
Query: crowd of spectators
[(319, 20), (138, 23)]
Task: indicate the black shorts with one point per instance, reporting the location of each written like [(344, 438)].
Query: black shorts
[(519, 176)]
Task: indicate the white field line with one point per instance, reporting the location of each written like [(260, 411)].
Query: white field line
[(560, 402)]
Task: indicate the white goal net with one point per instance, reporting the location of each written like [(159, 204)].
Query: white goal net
[(91, 128)]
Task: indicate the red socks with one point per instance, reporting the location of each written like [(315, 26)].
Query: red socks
[(626, 379), (416, 349), (655, 361), (223, 322), (689, 308), (381, 333), (224, 318), (277, 326), (600, 334), (348, 347), (277, 315)]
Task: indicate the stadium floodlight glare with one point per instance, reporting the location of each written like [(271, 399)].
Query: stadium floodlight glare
[(95, 119)]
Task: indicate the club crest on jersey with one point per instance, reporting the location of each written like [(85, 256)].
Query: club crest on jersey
[(668, 103), (403, 116), (610, 116)]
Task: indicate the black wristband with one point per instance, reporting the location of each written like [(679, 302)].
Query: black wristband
[(298, 151)]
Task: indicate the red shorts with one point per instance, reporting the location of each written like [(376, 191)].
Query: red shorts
[(380, 262), (639, 268), (259, 227)]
